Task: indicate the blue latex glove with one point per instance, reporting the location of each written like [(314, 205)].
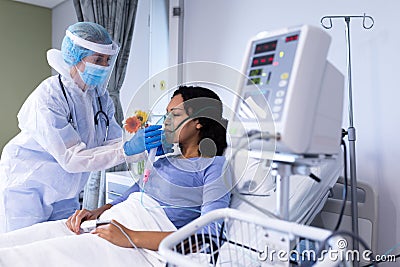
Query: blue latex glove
[(144, 139), (165, 147)]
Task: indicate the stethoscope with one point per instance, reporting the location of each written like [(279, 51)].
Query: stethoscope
[(96, 116)]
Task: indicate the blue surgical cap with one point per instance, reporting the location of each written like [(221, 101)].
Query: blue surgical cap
[(89, 31)]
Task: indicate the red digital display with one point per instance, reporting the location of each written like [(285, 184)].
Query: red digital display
[(263, 60), (265, 47), (292, 38)]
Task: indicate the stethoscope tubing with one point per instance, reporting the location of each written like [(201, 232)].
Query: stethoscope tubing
[(96, 116)]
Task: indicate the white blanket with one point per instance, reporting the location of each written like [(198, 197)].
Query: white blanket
[(52, 244)]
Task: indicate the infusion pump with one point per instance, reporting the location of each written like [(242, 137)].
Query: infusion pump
[(290, 90)]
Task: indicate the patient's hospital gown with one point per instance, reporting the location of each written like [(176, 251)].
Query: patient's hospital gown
[(193, 187), (203, 188)]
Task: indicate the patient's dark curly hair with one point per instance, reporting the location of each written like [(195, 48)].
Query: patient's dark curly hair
[(206, 106)]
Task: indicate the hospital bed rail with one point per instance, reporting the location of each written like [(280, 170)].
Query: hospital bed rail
[(249, 240)]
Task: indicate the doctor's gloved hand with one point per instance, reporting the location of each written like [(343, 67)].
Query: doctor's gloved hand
[(165, 147), (144, 139)]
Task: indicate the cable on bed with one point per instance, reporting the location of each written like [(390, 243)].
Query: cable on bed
[(344, 188), (131, 242), (251, 137)]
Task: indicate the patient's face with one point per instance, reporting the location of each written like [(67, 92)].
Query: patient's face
[(178, 128)]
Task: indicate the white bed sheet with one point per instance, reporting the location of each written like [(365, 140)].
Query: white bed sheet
[(306, 196), (52, 244)]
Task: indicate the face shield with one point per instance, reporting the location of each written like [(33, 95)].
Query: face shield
[(93, 71)]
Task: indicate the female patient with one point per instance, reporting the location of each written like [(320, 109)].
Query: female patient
[(181, 188)]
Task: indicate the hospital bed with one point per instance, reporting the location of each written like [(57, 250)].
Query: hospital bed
[(258, 187), (249, 230)]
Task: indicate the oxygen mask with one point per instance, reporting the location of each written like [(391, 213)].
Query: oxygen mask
[(174, 120)]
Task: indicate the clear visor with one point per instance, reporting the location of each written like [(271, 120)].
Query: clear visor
[(106, 49), (94, 72)]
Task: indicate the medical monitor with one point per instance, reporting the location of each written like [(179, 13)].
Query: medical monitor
[(290, 88)]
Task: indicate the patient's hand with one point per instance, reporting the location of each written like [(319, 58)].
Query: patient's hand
[(113, 234), (74, 221), (141, 239)]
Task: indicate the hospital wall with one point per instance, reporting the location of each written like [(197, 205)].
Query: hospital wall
[(219, 30), (25, 32)]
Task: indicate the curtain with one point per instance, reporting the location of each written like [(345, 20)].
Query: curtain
[(118, 17)]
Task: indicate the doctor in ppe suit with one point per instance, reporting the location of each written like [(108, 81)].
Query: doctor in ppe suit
[(67, 130)]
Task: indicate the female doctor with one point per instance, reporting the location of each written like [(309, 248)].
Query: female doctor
[(67, 130)]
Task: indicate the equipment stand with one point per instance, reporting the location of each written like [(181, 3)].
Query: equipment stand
[(351, 130)]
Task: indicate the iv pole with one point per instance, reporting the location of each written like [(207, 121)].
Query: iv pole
[(351, 132)]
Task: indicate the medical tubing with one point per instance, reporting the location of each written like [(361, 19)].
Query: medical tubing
[(344, 188), (225, 239), (254, 136), (264, 211), (149, 164), (314, 177), (131, 242), (193, 116), (164, 207), (392, 248), (146, 174)]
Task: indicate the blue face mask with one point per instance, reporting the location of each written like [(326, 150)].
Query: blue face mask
[(94, 75)]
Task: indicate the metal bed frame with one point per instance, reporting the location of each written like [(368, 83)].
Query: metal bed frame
[(227, 237)]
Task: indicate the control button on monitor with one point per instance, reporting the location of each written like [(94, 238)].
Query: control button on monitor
[(278, 101), (282, 83), (276, 108), (280, 93), (284, 76)]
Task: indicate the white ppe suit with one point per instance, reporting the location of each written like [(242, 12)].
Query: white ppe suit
[(45, 167)]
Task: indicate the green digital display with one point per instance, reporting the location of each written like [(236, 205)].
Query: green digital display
[(254, 80), (256, 72)]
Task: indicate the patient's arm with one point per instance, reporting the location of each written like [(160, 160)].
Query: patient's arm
[(142, 239), (75, 220)]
